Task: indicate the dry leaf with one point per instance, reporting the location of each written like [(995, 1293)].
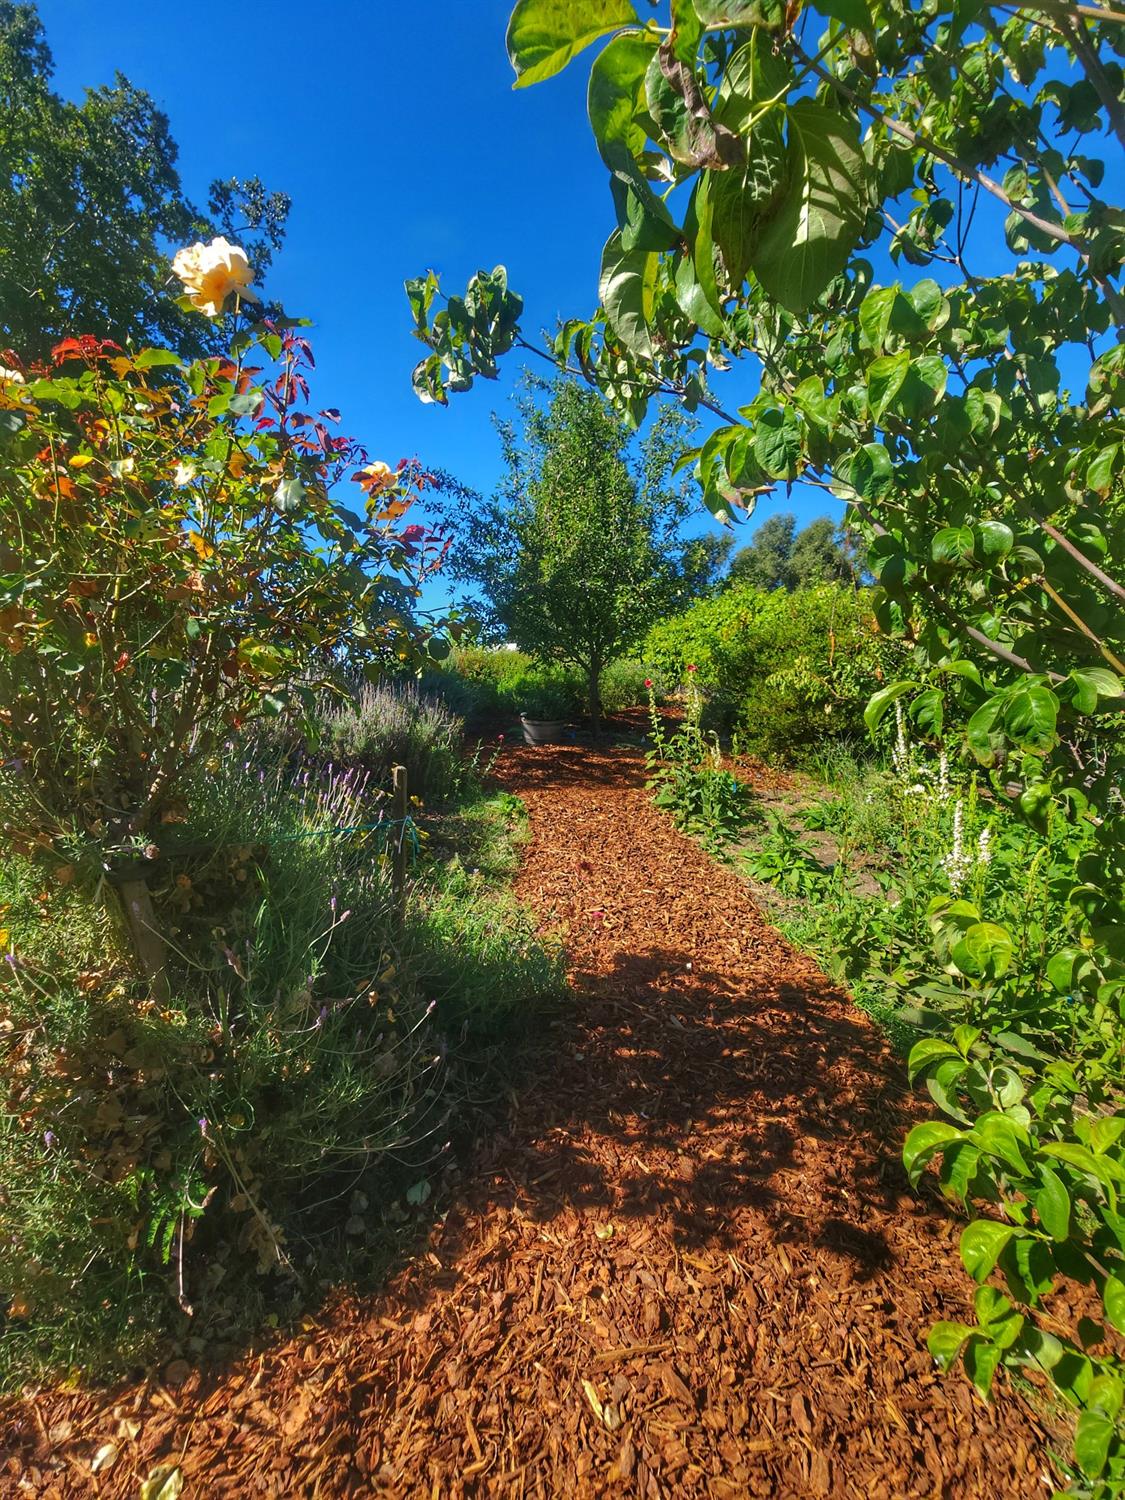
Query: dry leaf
[(103, 1457), (594, 1399), (164, 1483)]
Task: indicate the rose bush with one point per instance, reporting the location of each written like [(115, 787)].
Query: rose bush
[(175, 565)]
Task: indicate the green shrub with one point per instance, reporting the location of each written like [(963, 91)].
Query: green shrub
[(624, 686), (398, 724), (154, 1159), (472, 699), (545, 696), (783, 670), (686, 771), (479, 683), (495, 665)]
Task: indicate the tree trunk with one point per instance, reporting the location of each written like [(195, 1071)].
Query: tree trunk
[(151, 950), (595, 699)]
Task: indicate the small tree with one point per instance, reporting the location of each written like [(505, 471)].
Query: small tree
[(822, 553), (764, 562), (579, 553)]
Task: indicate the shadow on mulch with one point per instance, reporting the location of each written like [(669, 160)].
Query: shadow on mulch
[(672, 1086)]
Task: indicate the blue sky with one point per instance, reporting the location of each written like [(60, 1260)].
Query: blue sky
[(397, 133)]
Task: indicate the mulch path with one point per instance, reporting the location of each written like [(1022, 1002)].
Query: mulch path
[(689, 1264)]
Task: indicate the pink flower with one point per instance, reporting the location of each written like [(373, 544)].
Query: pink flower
[(500, 737), (691, 667), (648, 682)]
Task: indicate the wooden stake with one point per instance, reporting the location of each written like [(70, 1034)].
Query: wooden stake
[(151, 951), (401, 812)]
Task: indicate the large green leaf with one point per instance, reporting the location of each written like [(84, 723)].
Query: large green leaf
[(693, 300), (1031, 717), (945, 1342), (818, 218), (769, 13), (981, 1245), (754, 75), (777, 442), (744, 198), (885, 378), (615, 99), (984, 952), (697, 227), (923, 1141), (743, 201), (1002, 1137), (854, 14), (1052, 1204), (615, 95), (1113, 1299), (882, 700), (868, 470), (1092, 1437), (627, 286), (543, 35), (1092, 683)]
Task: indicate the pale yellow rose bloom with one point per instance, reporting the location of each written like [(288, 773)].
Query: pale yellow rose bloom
[(211, 273), (13, 376), (380, 475)]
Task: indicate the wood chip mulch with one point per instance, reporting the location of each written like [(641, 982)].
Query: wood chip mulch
[(689, 1266)]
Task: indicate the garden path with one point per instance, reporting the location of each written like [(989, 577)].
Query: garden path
[(688, 1266)]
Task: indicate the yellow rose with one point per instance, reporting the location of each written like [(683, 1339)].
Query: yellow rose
[(379, 476), (211, 273)]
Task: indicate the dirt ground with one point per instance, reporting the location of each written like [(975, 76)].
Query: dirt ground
[(689, 1265)]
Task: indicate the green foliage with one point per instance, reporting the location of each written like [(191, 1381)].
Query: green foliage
[(687, 775), (274, 1063), (785, 670), (782, 859), (214, 1154), (764, 563), (544, 698), (107, 165), (395, 723), (778, 556), (542, 39), (482, 683), (625, 684), (962, 924), (576, 556)]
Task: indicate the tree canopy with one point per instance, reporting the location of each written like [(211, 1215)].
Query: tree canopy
[(781, 557), (91, 205)]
